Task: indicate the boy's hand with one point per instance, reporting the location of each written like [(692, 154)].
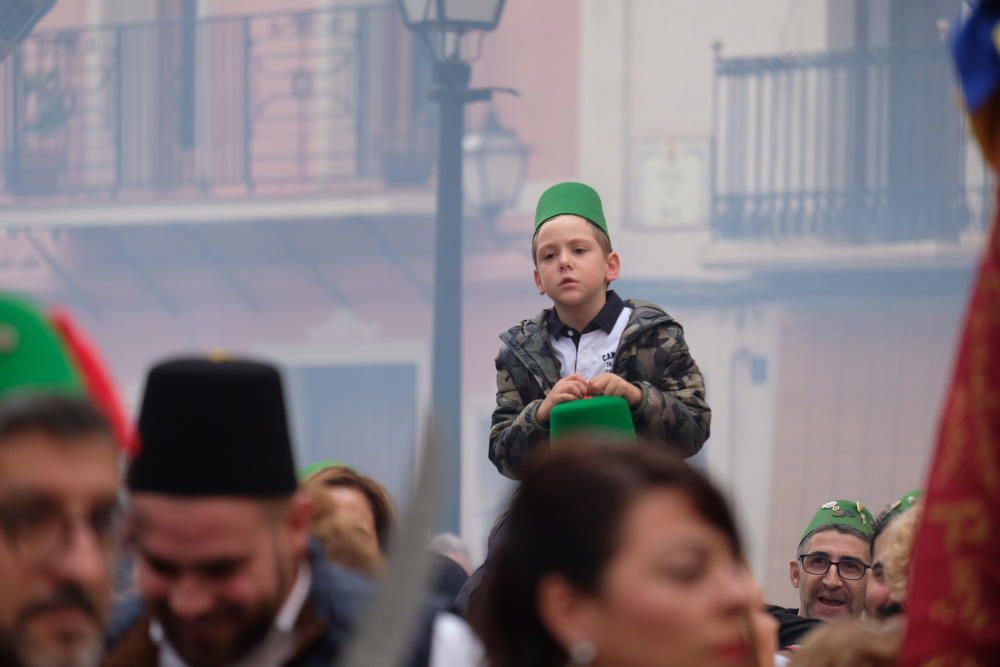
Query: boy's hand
[(609, 384), (567, 389)]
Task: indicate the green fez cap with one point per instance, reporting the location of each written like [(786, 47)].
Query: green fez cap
[(573, 199), (313, 468), (598, 415), (847, 513), (908, 500), (32, 354)]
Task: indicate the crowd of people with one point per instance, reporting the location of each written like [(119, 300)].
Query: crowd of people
[(608, 554), (191, 538), (613, 551)]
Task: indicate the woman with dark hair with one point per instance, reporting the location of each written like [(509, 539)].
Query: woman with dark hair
[(618, 556)]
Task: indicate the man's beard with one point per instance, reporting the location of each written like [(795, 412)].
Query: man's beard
[(249, 627), (23, 648)]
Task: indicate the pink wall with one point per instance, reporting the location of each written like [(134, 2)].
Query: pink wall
[(66, 14), (536, 49), (132, 338), (859, 394), (229, 7)]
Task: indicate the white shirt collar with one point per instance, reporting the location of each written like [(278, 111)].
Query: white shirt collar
[(289, 612)]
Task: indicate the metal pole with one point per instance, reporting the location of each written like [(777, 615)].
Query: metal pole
[(452, 78)]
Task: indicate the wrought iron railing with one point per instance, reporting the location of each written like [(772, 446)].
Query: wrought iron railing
[(285, 101), (848, 147)]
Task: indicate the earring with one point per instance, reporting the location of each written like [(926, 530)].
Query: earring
[(582, 652)]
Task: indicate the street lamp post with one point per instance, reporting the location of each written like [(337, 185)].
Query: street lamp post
[(441, 24)]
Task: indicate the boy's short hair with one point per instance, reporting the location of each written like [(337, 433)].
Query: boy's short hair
[(603, 240)]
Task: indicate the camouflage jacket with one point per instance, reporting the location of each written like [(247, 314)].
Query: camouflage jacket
[(652, 355)]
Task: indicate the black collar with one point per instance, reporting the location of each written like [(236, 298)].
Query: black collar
[(604, 320)]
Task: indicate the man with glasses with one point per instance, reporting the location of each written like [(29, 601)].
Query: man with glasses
[(59, 481), (830, 569)]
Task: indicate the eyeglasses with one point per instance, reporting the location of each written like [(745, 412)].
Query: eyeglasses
[(38, 529), (848, 568)]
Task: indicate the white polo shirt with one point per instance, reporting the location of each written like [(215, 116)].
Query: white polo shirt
[(590, 352)]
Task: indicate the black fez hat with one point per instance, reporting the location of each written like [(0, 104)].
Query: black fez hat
[(213, 428)]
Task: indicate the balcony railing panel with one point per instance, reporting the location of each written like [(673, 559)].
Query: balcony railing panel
[(293, 101), (848, 147)]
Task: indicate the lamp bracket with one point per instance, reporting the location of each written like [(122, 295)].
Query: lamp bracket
[(463, 94), (506, 91), (470, 94)]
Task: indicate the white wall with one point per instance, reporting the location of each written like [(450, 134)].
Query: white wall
[(647, 73), (646, 79), (737, 351)]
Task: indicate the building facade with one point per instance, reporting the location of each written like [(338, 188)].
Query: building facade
[(790, 179)]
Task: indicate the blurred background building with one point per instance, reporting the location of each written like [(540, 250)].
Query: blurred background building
[(790, 178)]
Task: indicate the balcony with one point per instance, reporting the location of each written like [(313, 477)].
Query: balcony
[(844, 149), (278, 104)]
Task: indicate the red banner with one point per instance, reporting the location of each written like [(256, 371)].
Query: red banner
[(953, 609)]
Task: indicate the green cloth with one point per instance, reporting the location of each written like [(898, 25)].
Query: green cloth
[(32, 354), (847, 513), (570, 198), (596, 416)]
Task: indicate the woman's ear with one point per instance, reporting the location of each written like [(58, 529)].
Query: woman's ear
[(569, 615)]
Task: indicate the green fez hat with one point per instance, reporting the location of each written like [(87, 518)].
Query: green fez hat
[(573, 199), (313, 468), (32, 355), (214, 428), (597, 416), (846, 513), (905, 502), (886, 516)]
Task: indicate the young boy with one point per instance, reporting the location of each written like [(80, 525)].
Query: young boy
[(591, 343)]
